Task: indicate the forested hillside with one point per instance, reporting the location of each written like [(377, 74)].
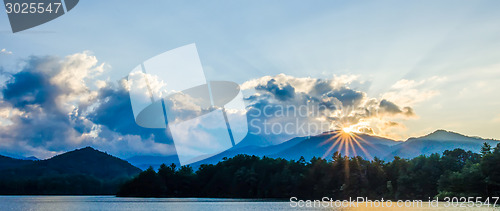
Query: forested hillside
[(82, 171)]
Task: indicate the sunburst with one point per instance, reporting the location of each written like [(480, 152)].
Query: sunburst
[(346, 139)]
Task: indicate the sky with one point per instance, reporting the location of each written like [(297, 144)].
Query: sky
[(439, 60)]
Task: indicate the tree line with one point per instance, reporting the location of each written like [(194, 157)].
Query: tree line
[(454, 173), (57, 184)]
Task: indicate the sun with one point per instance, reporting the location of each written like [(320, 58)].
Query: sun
[(351, 129), (346, 139), (347, 130)]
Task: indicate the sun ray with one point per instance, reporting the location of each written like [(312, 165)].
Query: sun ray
[(346, 141), (363, 149), (329, 139), (331, 148), (352, 146)]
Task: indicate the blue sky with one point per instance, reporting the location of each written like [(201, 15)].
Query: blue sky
[(440, 58)]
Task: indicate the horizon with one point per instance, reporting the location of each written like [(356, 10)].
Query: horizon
[(159, 155)]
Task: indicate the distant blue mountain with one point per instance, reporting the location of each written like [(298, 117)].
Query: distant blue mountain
[(146, 161), (308, 147), (33, 158), (19, 157), (437, 142), (254, 140), (366, 146), (326, 144), (250, 150)]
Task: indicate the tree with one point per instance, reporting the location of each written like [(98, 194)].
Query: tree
[(468, 182), (485, 149), (491, 169), (147, 184)]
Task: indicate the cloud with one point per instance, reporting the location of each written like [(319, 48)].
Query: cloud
[(47, 107), (282, 91), (53, 104), (327, 104), (5, 51), (392, 108), (410, 92)]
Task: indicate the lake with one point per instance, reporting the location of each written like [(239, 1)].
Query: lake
[(76, 203)]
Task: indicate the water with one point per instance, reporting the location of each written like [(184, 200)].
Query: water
[(77, 203)]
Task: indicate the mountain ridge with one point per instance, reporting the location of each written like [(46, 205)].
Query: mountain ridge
[(375, 146), (313, 146), (84, 171), (444, 135), (437, 142)]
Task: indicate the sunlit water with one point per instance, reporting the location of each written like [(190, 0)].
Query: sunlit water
[(76, 203)]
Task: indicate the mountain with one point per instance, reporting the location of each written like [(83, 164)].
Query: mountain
[(144, 162), (18, 157), (326, 144), (444, 135), (9, 163), (33, 158), (86, 161), (437, 142), (249, 150), (309, 147), (366, 146), (254, 140), (82, 171)]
